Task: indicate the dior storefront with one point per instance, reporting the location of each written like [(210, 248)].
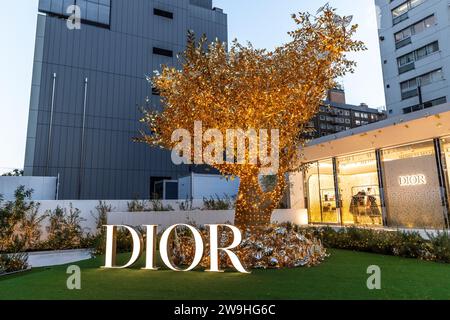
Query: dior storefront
[(403, 185)]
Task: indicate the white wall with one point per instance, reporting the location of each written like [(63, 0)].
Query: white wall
[(166, 219), (119, 214), (88, 211), (206, 186), (44, 187)]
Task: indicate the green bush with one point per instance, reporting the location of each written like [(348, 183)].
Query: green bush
[(19, 230), (64, 230), (218, 203), (13, 262), (98, 240), (148, 206), (396, 243)]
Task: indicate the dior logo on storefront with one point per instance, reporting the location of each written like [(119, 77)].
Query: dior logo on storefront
[(413, 180)]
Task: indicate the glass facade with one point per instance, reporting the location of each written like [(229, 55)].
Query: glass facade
[(321, 191), (96, 11), (359, 189), (414, 191), (445, 148)]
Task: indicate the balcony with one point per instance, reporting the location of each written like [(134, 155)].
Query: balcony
[(400, 18), (403, 43), (406, 68), (410, 94)]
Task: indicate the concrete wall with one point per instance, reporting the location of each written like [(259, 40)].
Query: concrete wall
[(120, 215), (44, 187), (89, 212)]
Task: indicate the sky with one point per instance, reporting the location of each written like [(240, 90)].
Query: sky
[(265, 23)]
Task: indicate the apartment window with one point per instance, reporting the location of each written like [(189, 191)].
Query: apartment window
[(409, 87), (162, 52), (357, 114), (400, 13), (426, 105), (322, 118), (406, 62), (358, 122), (163, 13), (95, 11), (347, 113), (347, 121), (403, 37)]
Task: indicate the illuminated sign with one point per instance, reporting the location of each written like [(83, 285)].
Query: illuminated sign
[(151, 232), (413, 180)]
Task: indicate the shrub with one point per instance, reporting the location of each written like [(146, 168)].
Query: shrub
[(217, 203), (397, 243), (148, 206), (186, 205), (64, 230), (98, 240), (13, 262), (441, 246), (20, 224)]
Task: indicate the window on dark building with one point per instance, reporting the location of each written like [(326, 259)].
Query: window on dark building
[(163, 13), (162, 52)]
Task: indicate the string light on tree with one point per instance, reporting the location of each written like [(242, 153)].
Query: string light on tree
[(248, 88)]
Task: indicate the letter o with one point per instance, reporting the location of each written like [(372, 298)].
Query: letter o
[(163, 245)]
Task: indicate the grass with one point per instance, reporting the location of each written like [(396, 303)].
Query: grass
[(342, 276)]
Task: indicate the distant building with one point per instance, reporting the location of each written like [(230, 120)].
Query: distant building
[(336, 116), (415, 54)]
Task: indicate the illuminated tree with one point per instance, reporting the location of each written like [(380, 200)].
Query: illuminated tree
[(247, 88)]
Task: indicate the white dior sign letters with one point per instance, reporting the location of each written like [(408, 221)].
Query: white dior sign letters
[(413, 180), (151, 230)]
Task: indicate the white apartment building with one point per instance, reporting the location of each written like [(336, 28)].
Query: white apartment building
[(415, 52)]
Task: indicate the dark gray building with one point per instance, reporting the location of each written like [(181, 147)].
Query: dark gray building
[(88, 85)]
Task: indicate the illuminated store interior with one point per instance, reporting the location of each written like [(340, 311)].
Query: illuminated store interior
[(406, 186)]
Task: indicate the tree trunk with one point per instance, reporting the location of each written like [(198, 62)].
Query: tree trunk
[(254, 207)]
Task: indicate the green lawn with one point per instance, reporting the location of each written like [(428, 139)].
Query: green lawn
[(342, 276)]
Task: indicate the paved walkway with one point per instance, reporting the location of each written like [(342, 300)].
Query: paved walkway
[(56, 258)]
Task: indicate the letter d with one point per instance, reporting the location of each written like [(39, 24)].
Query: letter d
[(111, 246)]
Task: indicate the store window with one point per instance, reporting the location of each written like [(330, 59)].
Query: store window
[(321, 195), (359, 190), (445, 147), (413, 193)]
